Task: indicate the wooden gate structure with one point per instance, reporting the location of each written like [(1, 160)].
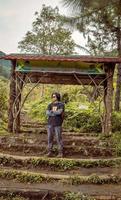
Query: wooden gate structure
[(71, 70)]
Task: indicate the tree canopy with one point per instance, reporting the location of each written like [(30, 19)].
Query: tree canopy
[(100, 23), (48, 35)]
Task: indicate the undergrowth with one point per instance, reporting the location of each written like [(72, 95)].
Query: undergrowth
[(60, 164)]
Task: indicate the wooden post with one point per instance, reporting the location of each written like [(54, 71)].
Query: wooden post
[(108, 99), (19, 87), (12, 97), (18, 101), (105, 110)]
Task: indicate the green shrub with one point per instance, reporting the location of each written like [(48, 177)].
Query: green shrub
[(79, 115), (3, 96), (116, 121), (38, 110), (3, 104), (87, 120), (115, 139)]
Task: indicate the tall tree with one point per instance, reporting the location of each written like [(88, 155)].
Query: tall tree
[(100, 22), (48, 35)]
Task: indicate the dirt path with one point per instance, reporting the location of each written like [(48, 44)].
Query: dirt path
[(19, 156), (61, 175), (78, 172), (25, 153), (92, 190)]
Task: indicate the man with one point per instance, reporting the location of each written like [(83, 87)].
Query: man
[(55, 113)]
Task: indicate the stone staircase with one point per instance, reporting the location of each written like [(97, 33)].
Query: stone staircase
[(89, 170)]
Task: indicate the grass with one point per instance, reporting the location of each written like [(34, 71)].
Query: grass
[(93, 179), (12, 197), (114, 140), (4, 132), (58, 163), (24, 177), (62, 196), (30, 177), (76, 196)]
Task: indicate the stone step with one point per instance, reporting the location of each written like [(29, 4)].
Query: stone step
[(33, 131), (42, 140), (39, 128), (75, 151), (40, 131), (32, 125), (60, 164), (29, 176), (58, 191), (32, 122), (97, 171)]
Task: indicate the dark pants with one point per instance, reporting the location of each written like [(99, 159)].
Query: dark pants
[(57, 132)]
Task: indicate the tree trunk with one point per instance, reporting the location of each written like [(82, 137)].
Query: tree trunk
[(108, 99), (118, 89), (118, 85)]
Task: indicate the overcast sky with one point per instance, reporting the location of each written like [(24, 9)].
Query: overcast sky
[(16, 17)]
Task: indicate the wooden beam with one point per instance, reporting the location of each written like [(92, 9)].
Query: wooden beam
[(67, 79), (57, 58)]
